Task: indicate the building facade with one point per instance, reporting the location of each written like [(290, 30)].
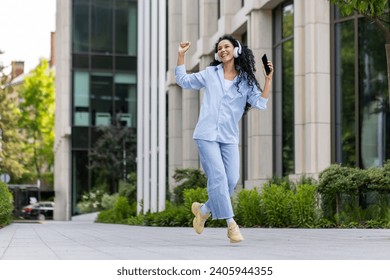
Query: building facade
[(328, 101), (108, 70)]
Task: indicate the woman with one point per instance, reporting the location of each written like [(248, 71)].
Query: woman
[(230, 88)]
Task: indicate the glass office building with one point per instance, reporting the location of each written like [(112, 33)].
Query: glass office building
[(104, 78)]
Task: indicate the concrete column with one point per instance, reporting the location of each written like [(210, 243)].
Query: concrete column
[(175, 112), (190, 98), (151, 107), (62, 146), (260, 122), (312, 86)]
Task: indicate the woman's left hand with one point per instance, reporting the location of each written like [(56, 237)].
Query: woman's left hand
[(271, 66)]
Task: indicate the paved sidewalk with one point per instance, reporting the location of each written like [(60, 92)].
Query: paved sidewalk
[(82, 239)]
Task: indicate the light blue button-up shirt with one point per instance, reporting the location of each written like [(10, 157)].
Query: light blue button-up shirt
[(221, 108)]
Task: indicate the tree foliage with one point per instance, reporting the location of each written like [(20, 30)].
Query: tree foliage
[(113, 155), (10, 140), (378, 11), (37, 107)]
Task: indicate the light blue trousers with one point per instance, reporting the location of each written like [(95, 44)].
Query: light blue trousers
[(221, 164)]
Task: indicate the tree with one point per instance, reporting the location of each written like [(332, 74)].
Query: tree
[(37, 106), (113, 155), (10, 139), (378, 11)]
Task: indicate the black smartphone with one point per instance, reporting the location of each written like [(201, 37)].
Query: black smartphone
[(265, 63)]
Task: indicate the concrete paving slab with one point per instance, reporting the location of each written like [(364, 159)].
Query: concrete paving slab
[(82, 239)]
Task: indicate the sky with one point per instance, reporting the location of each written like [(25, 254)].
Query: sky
[(25, 27)]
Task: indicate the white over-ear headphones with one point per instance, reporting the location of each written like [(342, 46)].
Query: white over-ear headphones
[(236, 52)]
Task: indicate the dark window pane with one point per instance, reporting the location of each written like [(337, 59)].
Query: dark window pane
[(288, 107), (79, 178), (101, 21), (345, 93), (126, 27), (80, 61), (102, 62), (101, 99), (80, 137), (374, 117), (80, 26), (126, 99), (128, 63), (284, 163)]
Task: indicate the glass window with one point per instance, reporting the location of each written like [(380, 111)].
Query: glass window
[(80, 178), (126, 99), (80, 26), (374, 120), (345, 97), (80, 61), (126, 27), (103, 62), (101, 98), (284, 90), (81, 98), (101, 26), (80, 137), (361, 95), (288, 20), (128, 63), (288, 107)]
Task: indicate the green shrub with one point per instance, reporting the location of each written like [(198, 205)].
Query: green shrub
[(122, 209), (280, 181), (187, 179), (91, 201), (194, 195), (128, 189), (120, 213), (107, 216), (304, 211), (6, 205), (108, 201), (172, 216), (248, 208), (277, 205), (137, 220)]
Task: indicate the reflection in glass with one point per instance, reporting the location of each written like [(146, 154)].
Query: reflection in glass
[(80, 98), (80, 177), (373, 92), (345, 94), (288, 21), (101, 98), (101, 26), (80, 26), (126, 27), (126, 99), (284, 163), (288, 107)]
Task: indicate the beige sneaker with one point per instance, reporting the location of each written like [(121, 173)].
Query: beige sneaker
[(200, 219), (234, 233)]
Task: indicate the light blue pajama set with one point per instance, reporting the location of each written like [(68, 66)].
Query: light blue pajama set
[(217, 132)]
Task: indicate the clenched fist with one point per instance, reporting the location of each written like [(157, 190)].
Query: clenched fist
[(184, 46)]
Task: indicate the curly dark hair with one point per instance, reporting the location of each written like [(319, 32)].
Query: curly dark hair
[(244, 64)]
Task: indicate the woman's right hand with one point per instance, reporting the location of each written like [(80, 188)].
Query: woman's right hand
[(184, 46)]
